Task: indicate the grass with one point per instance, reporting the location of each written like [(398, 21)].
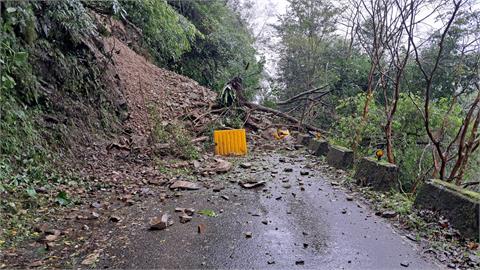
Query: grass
[(468, 193), (175, 135)]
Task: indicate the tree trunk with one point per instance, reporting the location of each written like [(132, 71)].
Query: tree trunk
[(389, 139)]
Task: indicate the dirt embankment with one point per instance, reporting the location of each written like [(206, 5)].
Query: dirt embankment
[(148, 95)]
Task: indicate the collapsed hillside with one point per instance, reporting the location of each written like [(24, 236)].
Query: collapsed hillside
[(99, 123)]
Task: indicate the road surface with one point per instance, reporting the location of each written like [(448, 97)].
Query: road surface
[(290, 228)]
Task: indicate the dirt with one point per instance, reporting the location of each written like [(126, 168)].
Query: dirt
[(146, 86)]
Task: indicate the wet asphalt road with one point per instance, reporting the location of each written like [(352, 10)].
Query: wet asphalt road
[(317, 228)]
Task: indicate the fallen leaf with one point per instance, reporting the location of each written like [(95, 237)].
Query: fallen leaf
[(201, 228), (207, 212)]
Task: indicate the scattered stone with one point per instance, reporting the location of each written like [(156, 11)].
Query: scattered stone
[(443, 223), (221, 166), (41, 228), (252, 185), (452, 265), (225, 197), (333, 183), (161, 223), (405, 264), (288, 170), (218, 188), (246, 165), (184, 185), (248, 235), (302, 189), (201, 228), (305, 233), (90, 259), (304, 173), (96, 205), (344, 211), (51, 237), (146, 191), (185, 218), (130, 202), (389, 214), (299, 262), (286, 186), (114, 218), (271, 262), (94, 215), (34, 264), (349, 198), (305, 245), (282, 160), (265, 222)]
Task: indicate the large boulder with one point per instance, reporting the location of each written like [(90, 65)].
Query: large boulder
[(459, 205), (319, 147), (303, 139), (377, 174), (340, 157)]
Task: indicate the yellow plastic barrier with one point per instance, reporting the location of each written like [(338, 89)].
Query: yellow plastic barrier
[(230, 142)]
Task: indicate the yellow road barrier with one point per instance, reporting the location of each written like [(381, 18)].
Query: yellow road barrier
[(230, 142)]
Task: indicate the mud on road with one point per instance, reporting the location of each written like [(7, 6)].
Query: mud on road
[(297, 219)]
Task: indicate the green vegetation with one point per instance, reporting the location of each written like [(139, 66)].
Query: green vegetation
[(175, 138), (208, 213), (357, 110), (204, 40), (410, 144), (166, 33)]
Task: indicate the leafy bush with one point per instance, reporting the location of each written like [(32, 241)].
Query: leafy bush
[(167, 34), (224, 50), (411, 144), (72, 16)]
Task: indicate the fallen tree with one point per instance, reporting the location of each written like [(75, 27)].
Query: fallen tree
[(283, 115), (233, 94)]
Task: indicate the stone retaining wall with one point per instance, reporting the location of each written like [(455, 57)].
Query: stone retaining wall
[(318, 147), (379, 175), (340, 157), (459, 205), (303, 139)]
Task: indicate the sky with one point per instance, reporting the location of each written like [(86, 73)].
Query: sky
[(266, 12)]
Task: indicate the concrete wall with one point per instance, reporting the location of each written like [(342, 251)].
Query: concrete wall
[(460, 206)]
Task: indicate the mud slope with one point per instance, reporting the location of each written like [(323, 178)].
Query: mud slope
[(149, 87)]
